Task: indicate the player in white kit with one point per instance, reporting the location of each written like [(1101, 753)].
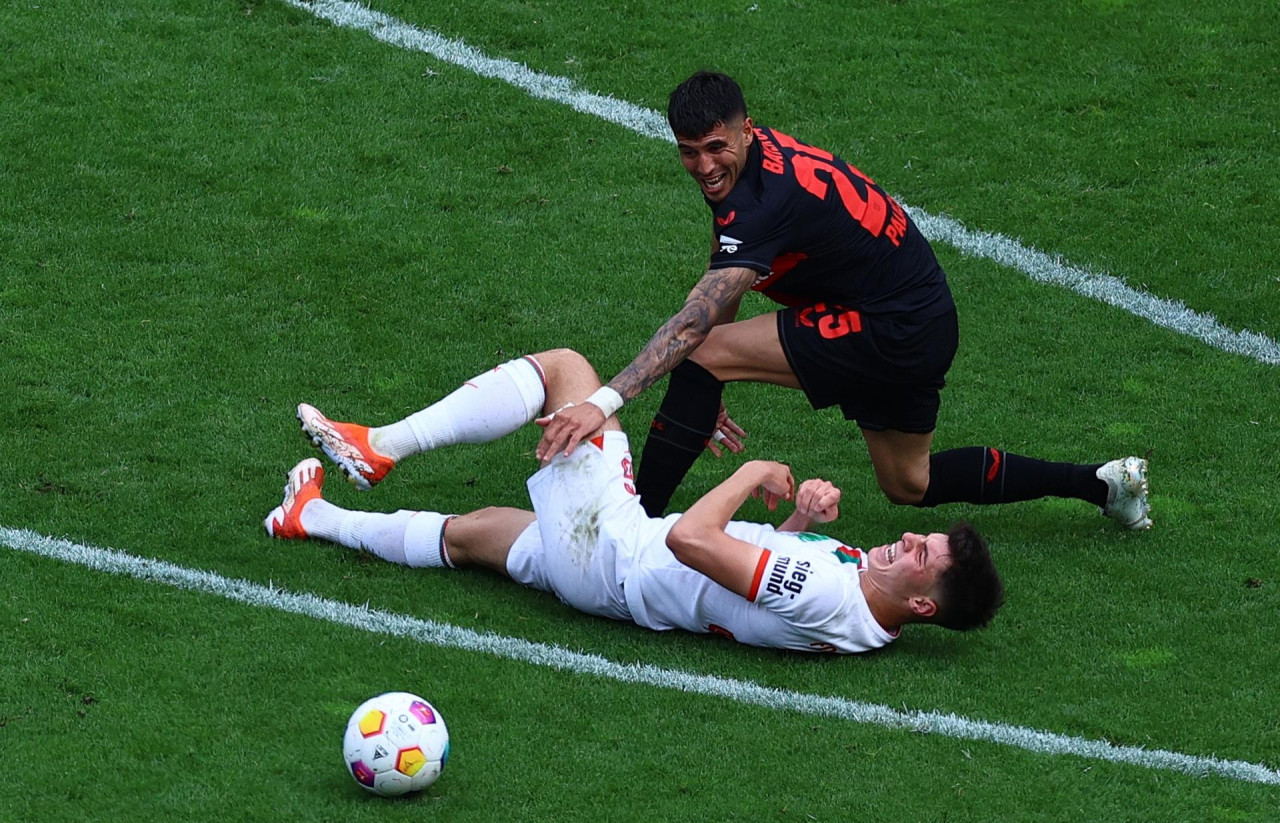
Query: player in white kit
[(589, 541)]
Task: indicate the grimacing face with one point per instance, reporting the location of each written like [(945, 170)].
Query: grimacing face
[(716, 159), (911, 565)]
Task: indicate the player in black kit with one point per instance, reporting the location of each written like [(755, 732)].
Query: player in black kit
[(869, 326)]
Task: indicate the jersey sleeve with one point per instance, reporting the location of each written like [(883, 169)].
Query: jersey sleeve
[(800, 587), (750, 236)]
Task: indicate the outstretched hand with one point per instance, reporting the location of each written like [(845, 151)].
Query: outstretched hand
[(819, 500), (727, 435), (564, 429)]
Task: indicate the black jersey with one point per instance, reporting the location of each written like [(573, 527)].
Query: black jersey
[(817, 229)]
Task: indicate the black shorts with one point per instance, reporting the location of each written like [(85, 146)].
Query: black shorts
[(884, 372)]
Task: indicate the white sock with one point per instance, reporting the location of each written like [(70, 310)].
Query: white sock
[(485, 408), (424, 540), (388, 536)]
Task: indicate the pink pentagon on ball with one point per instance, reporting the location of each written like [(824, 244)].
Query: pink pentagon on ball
[(362, 773), (423, 712)]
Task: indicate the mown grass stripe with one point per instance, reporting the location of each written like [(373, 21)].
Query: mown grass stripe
[(1045, 268), (511, 648)]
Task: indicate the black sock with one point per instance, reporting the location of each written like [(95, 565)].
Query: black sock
[(685, 420), (976, 474)]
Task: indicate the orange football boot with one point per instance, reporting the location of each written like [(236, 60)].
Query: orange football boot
[(306, 483), (347, 445)]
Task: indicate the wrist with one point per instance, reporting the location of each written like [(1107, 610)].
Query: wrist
[(606, 400)]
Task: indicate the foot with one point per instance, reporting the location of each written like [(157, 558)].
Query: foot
[(306, 483), (347, 445), (1126, 481)]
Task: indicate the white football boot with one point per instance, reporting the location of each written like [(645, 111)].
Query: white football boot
[(1126, 481)]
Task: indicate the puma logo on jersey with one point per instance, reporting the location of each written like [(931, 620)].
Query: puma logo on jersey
[(728, 244), (726, 220)]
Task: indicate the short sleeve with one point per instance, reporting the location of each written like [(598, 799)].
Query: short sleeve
[(750, 236), (800, 587)]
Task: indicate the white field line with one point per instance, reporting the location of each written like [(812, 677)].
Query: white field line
[(1169, 314), (511, 648)]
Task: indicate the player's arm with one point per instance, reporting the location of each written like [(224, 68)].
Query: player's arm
[(714, 299), (817, 501), (698, 539)]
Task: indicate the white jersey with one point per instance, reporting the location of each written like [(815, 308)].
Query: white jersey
[(805, 594), (594, 547)]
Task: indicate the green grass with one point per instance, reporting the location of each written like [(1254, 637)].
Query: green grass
[(209, 212)]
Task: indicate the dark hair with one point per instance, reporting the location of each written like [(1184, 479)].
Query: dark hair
[(969, 591), (704, 100)]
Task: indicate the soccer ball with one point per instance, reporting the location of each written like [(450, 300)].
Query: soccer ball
[(395, 743)]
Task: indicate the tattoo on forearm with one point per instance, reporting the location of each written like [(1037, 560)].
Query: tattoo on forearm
[(715, 292)]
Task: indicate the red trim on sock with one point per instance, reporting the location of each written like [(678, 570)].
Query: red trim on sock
[(538, 368), (995, 465)]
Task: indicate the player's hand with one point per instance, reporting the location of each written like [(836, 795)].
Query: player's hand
[(818, 500), (727, 435), (774, 483), (563, 430)]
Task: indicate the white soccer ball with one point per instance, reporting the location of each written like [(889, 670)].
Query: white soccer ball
[(396, 743)]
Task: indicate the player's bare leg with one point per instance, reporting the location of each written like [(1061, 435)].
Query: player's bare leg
[(484, 538), (570, 375), (748, 350), (901, 463)]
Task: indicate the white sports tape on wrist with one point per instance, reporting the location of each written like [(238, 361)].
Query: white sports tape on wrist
[(606, 400)]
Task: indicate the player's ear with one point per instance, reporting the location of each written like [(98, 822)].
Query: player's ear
[(748, 130), (923, 607)]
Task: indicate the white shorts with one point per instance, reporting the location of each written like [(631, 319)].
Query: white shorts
[(589, 527)]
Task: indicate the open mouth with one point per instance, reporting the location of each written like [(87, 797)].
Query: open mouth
[(712, 185), (891, 552)]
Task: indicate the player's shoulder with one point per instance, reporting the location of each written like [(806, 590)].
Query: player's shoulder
[(764, 189), (807, 542), (779, 146)]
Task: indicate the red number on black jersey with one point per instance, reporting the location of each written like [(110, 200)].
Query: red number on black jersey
[(869, 212)]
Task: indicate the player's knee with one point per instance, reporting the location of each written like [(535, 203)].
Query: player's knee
[(560, 365), (904, 489), (709, 358), (561, 359)]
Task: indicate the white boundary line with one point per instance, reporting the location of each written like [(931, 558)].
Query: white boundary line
[(1169, 314), (511, 648)]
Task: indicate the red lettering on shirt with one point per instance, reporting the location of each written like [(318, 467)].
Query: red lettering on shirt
[(628, 475), (772, 156)]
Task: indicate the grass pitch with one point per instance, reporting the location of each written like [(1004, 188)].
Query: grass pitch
[(209, 212)]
